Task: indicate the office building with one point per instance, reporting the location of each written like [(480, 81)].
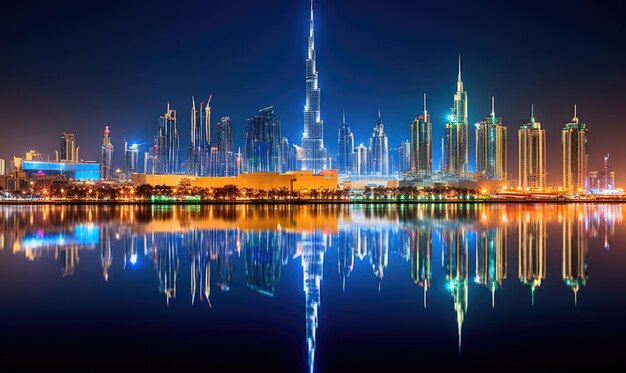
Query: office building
[(263, 142), (107, 156), (421, 145), (225, 166), (131, 159), (345, 147), (574, 144), (69, 151), (491, 150), (378, 150), (531, 141), (455, 161), (167, 144)]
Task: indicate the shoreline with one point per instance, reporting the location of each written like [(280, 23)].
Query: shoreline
[(317, 202)]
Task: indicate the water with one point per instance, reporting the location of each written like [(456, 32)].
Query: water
[(322, 288)]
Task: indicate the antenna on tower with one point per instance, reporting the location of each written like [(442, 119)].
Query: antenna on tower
[(532, 113), (575, 119), (425, 111), (493, 107)]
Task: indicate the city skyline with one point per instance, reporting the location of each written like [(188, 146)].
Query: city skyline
[(331, 18)]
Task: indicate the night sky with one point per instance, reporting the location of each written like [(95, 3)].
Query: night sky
[(77, 66)]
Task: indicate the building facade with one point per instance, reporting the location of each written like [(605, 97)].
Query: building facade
[(345, 147), (378, 150), (131, 159), (69, 152), (574, 144), (107, 156), (531, 142), (225, 166), (400, 158), (314, 153), (167, 144), (263, 145), (491, 150), (455, 161), (421, 145), (359, 160)]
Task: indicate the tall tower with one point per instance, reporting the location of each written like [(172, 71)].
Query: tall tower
[(107, 155), (491, 147), (345, 146), (167, 143), (263, 147), (314, 157), (532, 154), (225, 147), (421, 145), (68, 148), (379, 149), (574, 143), (456, 130)]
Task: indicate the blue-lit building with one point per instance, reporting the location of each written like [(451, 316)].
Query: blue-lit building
[(75, 171)]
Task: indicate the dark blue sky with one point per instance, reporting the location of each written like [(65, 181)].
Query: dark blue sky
[(78, 66)]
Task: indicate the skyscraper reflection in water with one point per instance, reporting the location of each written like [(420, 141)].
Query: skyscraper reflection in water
[(258, 248), (574, 250), (531, 249)]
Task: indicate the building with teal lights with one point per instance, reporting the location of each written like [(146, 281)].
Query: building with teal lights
[(84, 171)]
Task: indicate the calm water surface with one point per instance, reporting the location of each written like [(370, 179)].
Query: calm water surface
[(313, 288)]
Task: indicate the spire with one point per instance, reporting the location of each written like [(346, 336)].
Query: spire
[(344, 119), (459, 67), (425, 111), (193, 103), (493, 107), (311, 31), (532, 113), (459, 83), (379, 115), (575, 119)]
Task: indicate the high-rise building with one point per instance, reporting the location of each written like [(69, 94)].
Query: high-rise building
[(107, 156), (224, 147), (400, 158), (263, 142), (606, 177), (456, 133), (314, 153), (379, 150), (574, 143), (345, 148), (290, 156), (531, 141), (197, 163), (491, 147), (131, 159), (68, 148), (359, 160), (3, 167), (421, 145), (167, 143)]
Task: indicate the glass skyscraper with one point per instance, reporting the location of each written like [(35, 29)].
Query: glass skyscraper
[(532, 154), (225, 166), (456, 133), (314, 153), (345, 147), (379, 150), (167, 143), (574, 143), (491, 147), (263, 146), (421, 145), (107, 156)]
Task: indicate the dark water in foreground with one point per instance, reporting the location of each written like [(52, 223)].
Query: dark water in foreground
[(328, 288)]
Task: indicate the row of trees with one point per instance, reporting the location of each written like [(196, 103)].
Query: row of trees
[(186, 191)]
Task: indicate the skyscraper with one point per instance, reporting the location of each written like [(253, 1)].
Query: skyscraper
[(68, 148), (225, 147), (167, 143), (532, 154), (263, 142), (107, 156), (197, 163), (421, 145), (400, 158), (574, 143), (359, 161), (456, 132), (3, 169), (606, 176), (491, 147), (346, 147), (131, 159), (314, 157), (379, 150)]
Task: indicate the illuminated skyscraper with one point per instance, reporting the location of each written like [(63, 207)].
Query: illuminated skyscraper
[(378, 150), (491, 252), (346, 147), (456, 133), (107, 156), (314, 153), (69, 152), (263, 148), (531, 250), (360, 161), (225, 147), (574, 249), (3, 168), (167, 143), (400, 158), (421, 145), (491, 147), (574, 143), (531, 142), (131, 159), (606, 176)]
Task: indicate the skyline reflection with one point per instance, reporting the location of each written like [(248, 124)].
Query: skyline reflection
[(210, 245)]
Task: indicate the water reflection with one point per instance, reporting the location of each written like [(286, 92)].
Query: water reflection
[(268, 238)]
